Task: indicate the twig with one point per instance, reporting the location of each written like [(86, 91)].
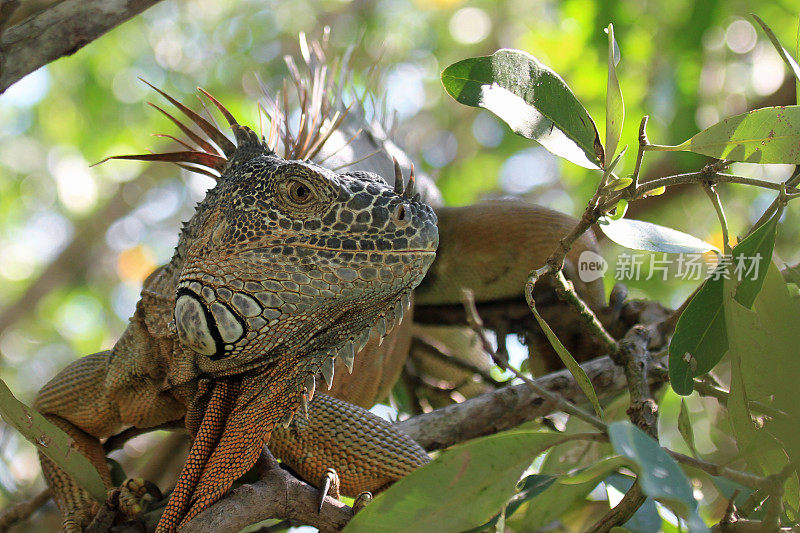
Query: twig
[(566, 291), (643, 142), (476, 324), (437, 350), (777, 203), (702, 176), (621, 512), (634, 357), (743, 478), (21, 511)]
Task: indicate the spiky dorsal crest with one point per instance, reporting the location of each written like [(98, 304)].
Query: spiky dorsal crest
[(318, 93)]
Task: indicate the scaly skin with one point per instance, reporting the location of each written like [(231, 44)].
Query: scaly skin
[(284, 267)]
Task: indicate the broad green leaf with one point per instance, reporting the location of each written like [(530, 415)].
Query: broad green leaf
[(532, 99), (751, 259), (572, 365), (641, 235), (765, 341), (659, 475), (767, 135), (700, 339), (462, 488), (529, 488), (785, 55), (615, 108), (685, 427), (763, 347), (52, 442), (560, 497)]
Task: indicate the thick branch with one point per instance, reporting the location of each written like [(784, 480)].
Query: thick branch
[(277, 495), (60, 31), (508, 407)]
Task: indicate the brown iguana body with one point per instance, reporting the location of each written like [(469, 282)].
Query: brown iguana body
[(285, 269)]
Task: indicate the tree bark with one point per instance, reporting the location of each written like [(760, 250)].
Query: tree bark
[(59, 31)]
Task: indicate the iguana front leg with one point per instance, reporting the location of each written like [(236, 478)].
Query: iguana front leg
[(88, 400)]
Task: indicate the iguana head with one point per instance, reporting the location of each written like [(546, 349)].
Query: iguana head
[(285, 257), (288, 257)]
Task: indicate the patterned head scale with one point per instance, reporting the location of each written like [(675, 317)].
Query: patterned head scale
[(287, 257)]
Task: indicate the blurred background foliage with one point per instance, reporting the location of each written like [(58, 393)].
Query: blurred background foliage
[(76, 241)]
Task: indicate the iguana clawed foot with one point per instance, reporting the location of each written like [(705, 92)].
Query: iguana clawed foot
[(135, 494), (329, 486)]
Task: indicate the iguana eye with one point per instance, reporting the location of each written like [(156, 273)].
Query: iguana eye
[(299, 192)]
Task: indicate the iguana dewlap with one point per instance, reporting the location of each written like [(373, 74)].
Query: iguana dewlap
[(284, 267)]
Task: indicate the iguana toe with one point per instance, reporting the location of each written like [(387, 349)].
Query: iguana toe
[(329, 486)]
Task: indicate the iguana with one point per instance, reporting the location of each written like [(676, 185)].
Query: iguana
[(285, 268)]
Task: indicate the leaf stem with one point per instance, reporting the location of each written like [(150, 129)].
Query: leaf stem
[(723, 222), (663, 148)]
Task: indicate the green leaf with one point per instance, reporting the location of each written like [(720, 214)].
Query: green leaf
[(685, 427), (785, 55), (52, 442), (658, 191), (562, 495), (615, 107), (532, 99), (751, 259), (700, 339), (619, 210), (462, 488), (529, 488), (572, 365), (767, 135), (641, 235), (619, 184), (764, 368), (659, 475)]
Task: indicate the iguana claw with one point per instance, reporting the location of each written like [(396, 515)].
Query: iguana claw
[(330, 484), (361, 501), (327, 372)]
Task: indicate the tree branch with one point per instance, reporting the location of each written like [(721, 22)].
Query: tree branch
[(59, 31), (510, 406), (278, 494)]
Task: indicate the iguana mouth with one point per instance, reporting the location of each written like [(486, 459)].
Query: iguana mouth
[(418, 252)]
